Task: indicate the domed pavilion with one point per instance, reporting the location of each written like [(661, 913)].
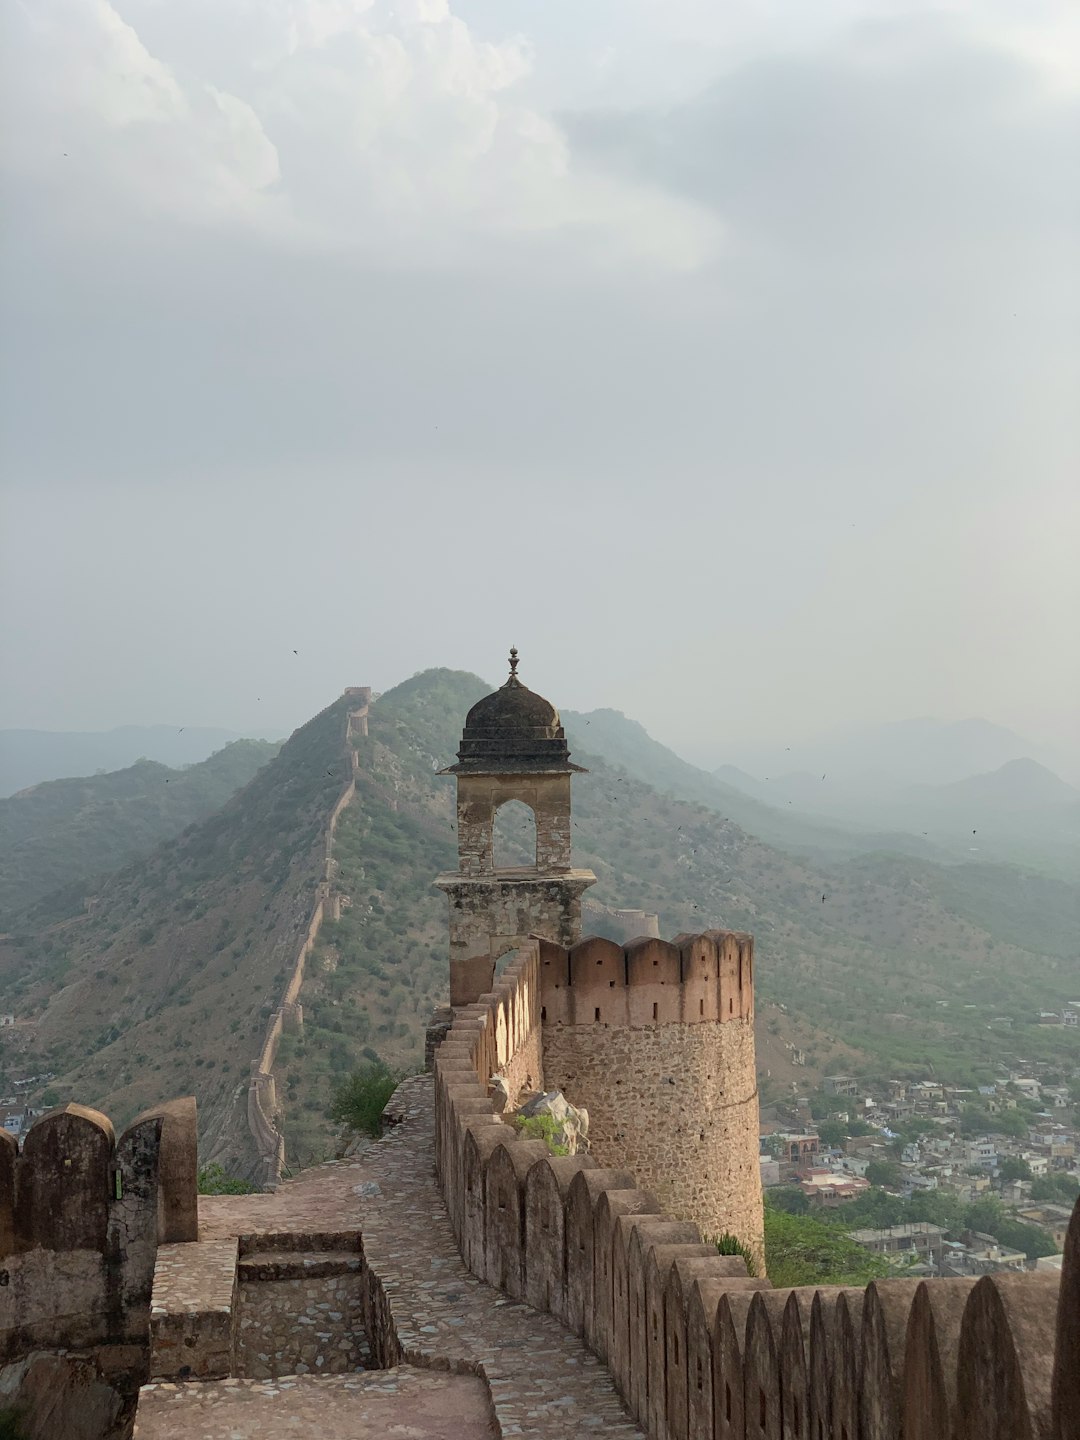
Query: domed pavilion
[(513, 747)]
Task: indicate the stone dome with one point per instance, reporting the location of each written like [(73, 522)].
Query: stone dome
[(514, 708), (513, 729)]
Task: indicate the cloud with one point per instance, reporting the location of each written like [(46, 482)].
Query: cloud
[(388, 130)]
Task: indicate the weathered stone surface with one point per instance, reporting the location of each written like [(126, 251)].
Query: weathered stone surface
[(310, 1323), (61, 1396), (178, 1169), (572, 1123), (701, 1159), (401, 1402), (426, 1309)]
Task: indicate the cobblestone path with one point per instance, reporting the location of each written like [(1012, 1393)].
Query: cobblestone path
[(544, 1383), (369, 1405)]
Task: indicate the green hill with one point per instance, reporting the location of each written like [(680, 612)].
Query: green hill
[(162, 981), (65, 833), (166, 983)]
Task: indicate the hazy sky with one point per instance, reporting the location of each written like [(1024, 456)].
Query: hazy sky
[(725, 358)]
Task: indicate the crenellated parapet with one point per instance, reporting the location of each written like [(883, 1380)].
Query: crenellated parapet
[(695, 979), (698, 1348), (82, 1213), (655, 1039)]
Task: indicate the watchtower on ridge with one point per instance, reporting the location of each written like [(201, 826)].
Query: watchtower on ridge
[(513, 747)]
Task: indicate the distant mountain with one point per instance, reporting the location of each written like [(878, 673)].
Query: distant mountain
[(758, 808), (64, 833), (906, 752), (27, 757), (1017, 785)]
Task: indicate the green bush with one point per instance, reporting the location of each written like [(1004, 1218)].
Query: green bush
[(214, 1180), (800, 1250), (542, 1127), (361, 1099), (729, 1244)]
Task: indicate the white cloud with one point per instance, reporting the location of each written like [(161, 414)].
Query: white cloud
[(386, 129)]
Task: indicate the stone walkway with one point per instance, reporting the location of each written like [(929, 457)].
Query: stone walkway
[(407, 1403), (544, 1383)]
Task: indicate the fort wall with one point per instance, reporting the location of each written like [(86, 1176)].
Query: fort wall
[(699, 1349), (262, 1106), (81, 1216), (656, 1041)]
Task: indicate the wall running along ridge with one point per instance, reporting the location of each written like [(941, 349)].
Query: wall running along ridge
[(700, 1350), (262, 1106), (656, 1041)]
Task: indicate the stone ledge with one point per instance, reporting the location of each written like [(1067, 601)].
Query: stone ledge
[(291, 1265)]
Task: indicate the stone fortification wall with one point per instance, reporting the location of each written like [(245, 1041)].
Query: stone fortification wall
[(81, 1217), (699, 1349), (656, 1041), (262, 1106)]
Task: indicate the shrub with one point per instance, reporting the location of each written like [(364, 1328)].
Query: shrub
[(542, 1127), (729, 1244), (800, 1250), (213, 1180), (361, 1099)]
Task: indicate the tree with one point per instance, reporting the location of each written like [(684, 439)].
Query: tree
[(360, 1100), (886, 1173), (1058, 1188), (1013, 1168), (1031, 1239), (832, 1132), (800, 1250), (791, 1198)]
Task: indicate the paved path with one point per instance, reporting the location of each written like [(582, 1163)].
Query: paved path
[(407, 1403), (544, 1383)]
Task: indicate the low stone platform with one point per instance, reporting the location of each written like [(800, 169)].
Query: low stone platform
[(192, 1311), (365, 1406), (543, 1383)]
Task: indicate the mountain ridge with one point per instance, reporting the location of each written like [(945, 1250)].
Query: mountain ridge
[(167, 981)]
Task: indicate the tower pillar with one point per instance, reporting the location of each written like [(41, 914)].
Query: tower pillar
[(513, 748)]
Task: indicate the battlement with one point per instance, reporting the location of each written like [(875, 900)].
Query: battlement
[(81, 1217), (699, 1349), (692, 980)]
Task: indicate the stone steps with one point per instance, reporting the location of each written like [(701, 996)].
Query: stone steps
[(300, 1240), (268, 1305), (297, 1265)]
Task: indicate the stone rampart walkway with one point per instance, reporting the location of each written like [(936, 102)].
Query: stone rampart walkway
[(369, 1405), (544, 1383)]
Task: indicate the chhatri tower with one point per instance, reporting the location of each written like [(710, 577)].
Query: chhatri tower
[(513, 747)]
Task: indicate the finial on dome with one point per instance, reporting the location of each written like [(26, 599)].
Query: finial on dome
[(513, 662)]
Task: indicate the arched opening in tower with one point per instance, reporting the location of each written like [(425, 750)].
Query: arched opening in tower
[(514, 837)]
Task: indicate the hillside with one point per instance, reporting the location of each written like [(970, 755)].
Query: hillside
[(162, 983), (66, 833), (30, 757), (626, 743), (878, 974), (881, 962), (1021, 812), (920, 750), (1019, 784)]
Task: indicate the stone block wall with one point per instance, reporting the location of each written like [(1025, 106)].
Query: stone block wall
[(699, 1349), (656, 1041), (479, 797), (491, 915), (300, 1314), (81, 1217)]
